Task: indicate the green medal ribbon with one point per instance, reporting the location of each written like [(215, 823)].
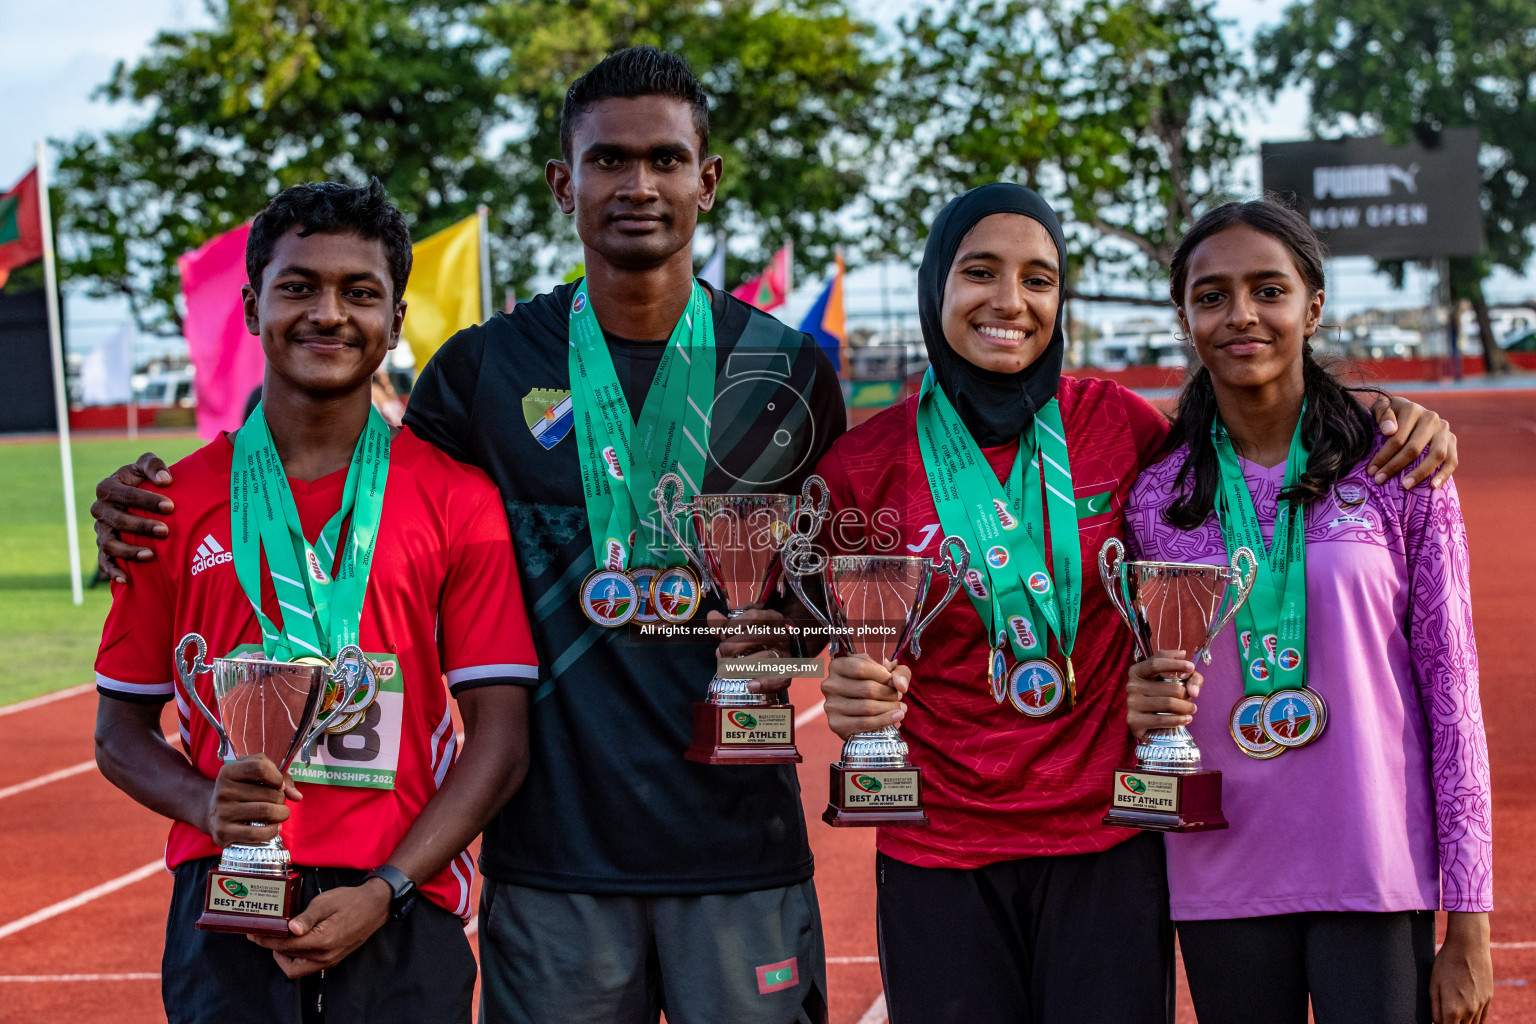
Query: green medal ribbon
[(1007, 526), (672, 434), (320, 611), (1272, 624)]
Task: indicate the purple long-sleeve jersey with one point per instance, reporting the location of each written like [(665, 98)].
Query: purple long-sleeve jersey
[(1390, 808)]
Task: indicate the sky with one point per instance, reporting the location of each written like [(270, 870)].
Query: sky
[(54, 56)]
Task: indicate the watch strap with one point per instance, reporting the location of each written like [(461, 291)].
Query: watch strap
[(402, 889)]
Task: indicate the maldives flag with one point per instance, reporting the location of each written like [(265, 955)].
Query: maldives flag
[(21, 229), (770, 288)]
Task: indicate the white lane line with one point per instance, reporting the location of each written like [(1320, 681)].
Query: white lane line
[(133, 976), (853, 959), (47, 698), (64, 906), (43, 780), (1512, 945), (809, 715), (876, 1012)]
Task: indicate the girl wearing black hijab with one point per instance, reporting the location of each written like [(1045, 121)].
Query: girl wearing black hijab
[(1016, 903)]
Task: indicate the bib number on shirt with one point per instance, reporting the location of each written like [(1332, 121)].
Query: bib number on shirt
[(367, 755)]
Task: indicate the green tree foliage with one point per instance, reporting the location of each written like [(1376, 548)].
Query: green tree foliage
[(277, 92), (1122, 112), (1410, 68), (452, 104), (793, 92)]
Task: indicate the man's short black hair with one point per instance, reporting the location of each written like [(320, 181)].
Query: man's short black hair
[(635, 71), (331, 208)]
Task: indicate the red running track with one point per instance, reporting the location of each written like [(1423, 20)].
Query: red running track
[(99, 960)]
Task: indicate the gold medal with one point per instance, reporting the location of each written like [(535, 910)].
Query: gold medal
[(609, 598), (997, 669), (675, 594), (1293, 718), (643, 578), (1036, 688), (1246, 725)]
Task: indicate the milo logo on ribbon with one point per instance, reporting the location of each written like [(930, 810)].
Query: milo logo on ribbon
[(1003, 515), (315, 569), (234, 888), (611, 460), (975, 584), (614, 559), (1022, 631)]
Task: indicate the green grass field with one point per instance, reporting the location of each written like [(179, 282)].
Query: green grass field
[(49, 643)]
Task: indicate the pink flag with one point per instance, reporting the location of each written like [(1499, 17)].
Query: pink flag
[(226, 357), (771, 288)]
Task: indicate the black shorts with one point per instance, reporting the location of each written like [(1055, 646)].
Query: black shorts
[(1083, 939), (1353, 968), (420, 969)]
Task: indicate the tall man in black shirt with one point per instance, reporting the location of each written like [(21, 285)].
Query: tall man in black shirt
[(623, 880)]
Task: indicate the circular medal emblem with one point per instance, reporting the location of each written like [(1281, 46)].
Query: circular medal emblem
[(609, 598), (1247, 727), (1292, 718), (1288, 659), (997, 556), (1036, 688), (645, 611), (580, 303), (1259, 669), (997, 673), (676, 593), (1039, 582)]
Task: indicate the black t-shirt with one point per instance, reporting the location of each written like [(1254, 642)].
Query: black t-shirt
[(610, 805)]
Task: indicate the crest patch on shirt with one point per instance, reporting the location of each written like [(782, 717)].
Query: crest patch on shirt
[(549, 415)]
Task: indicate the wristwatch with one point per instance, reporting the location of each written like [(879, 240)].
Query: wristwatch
[(402, 889)]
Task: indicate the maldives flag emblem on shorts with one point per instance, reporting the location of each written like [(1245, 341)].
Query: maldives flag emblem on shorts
[(773, 977)]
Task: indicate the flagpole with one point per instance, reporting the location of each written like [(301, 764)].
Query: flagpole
[(60, 397), (483, 212)]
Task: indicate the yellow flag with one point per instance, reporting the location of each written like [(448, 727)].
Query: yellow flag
[(443, 295)]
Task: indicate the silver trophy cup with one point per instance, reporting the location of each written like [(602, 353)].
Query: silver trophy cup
[(1174, 606), (875, 607), (276, 708), (735, 546)]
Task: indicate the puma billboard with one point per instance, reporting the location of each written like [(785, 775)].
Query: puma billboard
[(1366, 198)]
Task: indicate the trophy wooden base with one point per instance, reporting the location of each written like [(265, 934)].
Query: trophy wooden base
[(249, 904), (875, 796), (731, 734), (1166, 802)]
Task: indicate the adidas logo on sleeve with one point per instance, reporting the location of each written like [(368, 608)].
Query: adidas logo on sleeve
[(209, 554)]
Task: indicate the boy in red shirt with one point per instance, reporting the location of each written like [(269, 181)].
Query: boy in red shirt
[(379, 820)]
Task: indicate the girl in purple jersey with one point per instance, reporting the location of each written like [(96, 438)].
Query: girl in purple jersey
[(1355, 769)]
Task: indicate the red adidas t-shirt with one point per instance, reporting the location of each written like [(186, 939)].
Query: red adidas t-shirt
[(997, 785), (443, 600)]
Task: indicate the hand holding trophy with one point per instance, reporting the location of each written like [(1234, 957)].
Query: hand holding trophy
[(1171, 606), (875, 607), (279, 709)]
